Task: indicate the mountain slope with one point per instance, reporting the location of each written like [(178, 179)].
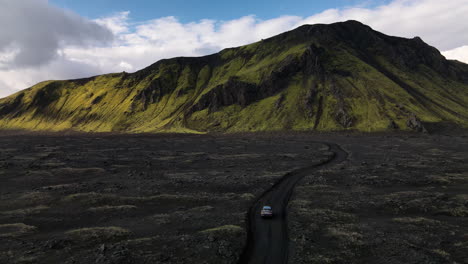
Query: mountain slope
[(323, 77)]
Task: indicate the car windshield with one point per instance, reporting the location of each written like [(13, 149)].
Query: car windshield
[(266, 208)]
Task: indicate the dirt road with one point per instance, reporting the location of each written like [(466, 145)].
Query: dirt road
[(268, 238)]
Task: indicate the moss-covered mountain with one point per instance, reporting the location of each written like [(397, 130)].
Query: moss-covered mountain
[(316, 77)]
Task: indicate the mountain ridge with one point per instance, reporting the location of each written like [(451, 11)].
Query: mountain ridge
[(316, 77)]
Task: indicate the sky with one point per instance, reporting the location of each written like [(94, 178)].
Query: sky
[(64, 39), (194, 10)]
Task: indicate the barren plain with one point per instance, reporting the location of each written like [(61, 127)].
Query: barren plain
[(107, 198)]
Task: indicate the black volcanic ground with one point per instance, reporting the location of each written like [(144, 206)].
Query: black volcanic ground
[(401, 198)]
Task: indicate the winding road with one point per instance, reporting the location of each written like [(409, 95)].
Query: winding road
[(268, 241)]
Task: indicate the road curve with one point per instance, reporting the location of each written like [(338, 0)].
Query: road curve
[(267, 239)]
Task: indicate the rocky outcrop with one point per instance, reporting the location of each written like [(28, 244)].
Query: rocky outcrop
[(415, 123), (152, 94), (343, 118), (98, 99), (392, 125), (232, 92), (320, 77), (45, 96), (309, 101), (11, 107), (342, 114), (280, 102), (242, 93)]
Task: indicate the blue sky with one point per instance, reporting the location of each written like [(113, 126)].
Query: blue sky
[(188, 11)]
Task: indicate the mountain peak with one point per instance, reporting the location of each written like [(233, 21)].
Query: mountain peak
[(339, 76)]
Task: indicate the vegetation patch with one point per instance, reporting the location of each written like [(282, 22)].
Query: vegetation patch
[(24, 212), (420, 221), (15, 230), (110, 208), (461, 211), (314, 79), (91, 198), (344, 235), (225, 228), (98, 234)]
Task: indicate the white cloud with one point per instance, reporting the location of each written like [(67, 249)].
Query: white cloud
[(5, 90), (439, 23), (117, 24), (32, 38), (460, 54), (137, 45), (60, 68), (34, 31), (125, 65)]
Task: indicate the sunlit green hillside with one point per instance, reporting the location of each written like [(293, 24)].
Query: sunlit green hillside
[(316, 77)]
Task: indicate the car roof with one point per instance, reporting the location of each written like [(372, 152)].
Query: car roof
[(266, 207)]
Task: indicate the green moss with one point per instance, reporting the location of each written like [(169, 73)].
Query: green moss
[(226, 228), (108, 208), (24, 212), (15, 230), (97, 234), (161, 98)]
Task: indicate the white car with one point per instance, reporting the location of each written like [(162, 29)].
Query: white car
[(266, 212)]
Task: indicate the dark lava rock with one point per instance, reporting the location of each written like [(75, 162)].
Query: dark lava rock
[(112, 254), (415, 124), (343, 118), (56, 244), (280, 101), (393, 125)]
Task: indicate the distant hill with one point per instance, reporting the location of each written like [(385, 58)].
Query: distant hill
[(316, 77)]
